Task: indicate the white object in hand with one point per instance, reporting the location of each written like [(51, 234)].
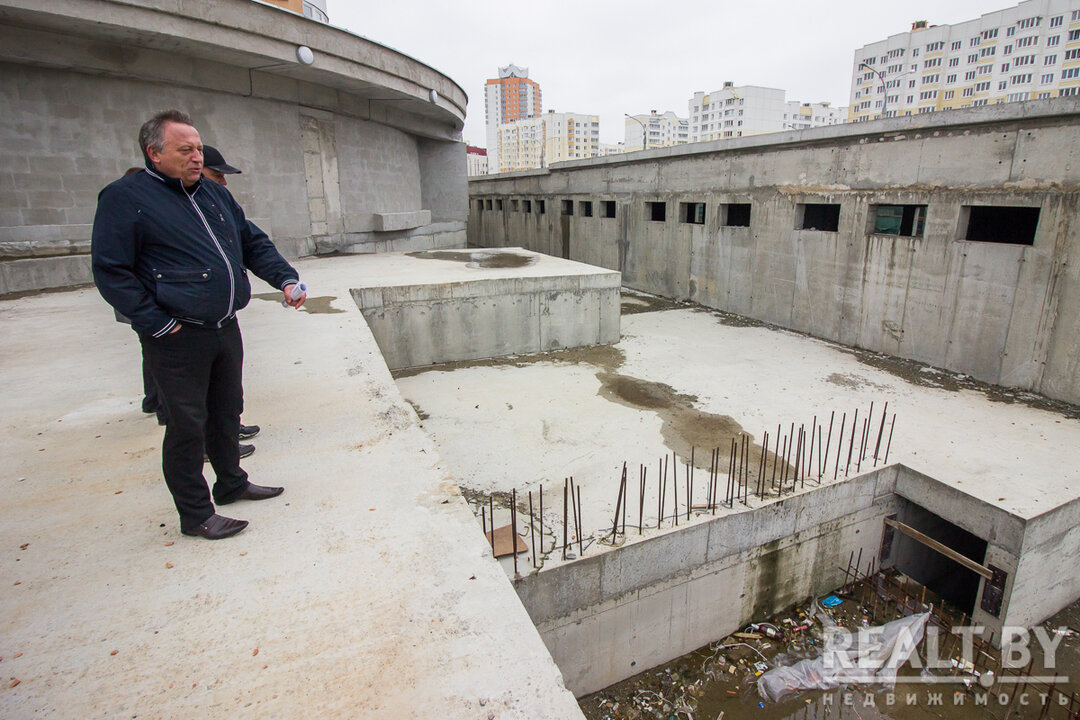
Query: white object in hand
[(299, 290)]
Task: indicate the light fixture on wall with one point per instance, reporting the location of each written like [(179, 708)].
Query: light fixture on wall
[(433, 96), (304, 55)]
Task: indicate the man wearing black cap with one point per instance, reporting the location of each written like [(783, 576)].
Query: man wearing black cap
[(214, 166)]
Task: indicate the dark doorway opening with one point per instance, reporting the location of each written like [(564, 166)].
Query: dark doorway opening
[(940, 574)]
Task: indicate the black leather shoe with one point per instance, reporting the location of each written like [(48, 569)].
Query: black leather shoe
[(245, 450), (217, 527), (256, 492), (248, 431)]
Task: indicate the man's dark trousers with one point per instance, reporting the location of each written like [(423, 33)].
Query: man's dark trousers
[(198, 371)]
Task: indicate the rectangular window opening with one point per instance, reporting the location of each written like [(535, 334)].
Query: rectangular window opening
[(480, 205), (526, 206), (499, 204), (738, 215), (488, 204), (541, 207), (905, 220), (656, 211), (586, 208), (1002, 224), (608, 207), (514, 205), (819, 216), (692, 213), (567, 207)]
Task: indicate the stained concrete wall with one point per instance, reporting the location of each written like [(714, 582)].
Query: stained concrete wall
[(612, 615), (1047, 578), (325, 149), (1004, 313)]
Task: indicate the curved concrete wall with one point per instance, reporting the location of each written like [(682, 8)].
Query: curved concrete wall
[(350, 153), (1004, 313)]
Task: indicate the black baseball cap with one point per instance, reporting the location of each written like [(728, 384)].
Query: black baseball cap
[(212, 159)]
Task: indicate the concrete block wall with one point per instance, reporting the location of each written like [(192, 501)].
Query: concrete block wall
[(1003, 313), (319, 156), (611, 615)]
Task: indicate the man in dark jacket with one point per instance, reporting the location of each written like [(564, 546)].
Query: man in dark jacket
[(171, 252)]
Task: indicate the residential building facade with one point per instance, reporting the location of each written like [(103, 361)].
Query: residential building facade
[(509, 97), (1027, 52), (736, 111), (662, 131), (552, 137), (803, 116)]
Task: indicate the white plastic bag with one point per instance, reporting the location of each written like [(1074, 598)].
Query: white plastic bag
[(868, 656)]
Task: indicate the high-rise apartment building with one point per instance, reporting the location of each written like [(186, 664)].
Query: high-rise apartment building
[(1027, 52), (737, 111), (552, 137), (655, 130), (509, 97)]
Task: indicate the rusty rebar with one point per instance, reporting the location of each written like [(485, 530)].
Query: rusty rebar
[(889, 444), (851, 442), (513, 528), (828, 442), (565, 487), (881, 430), (532, 531)]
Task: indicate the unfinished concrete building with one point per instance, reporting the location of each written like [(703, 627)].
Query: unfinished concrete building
[(943, 239)]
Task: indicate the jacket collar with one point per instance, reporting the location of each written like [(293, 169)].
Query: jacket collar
[(174, 183)]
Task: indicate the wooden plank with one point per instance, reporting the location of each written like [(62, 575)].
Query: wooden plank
[(943, 549)]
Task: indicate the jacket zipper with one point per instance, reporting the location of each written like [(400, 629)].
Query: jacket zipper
[(228, 265)]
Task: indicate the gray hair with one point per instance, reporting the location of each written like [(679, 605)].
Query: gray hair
[(152, 133)]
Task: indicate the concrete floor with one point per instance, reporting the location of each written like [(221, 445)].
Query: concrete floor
[(685, 377), (364, 591)]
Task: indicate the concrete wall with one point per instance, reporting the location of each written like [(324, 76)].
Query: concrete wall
[(612, 615), (1004, 313), (1047, 579), (425, 324), (348, 154)]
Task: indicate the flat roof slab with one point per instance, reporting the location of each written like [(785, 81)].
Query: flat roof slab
[(366, 590), (683, 378)]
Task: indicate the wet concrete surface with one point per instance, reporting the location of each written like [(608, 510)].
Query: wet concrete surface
[(317, 305), (635, 302), (686, 430), (477, 258)]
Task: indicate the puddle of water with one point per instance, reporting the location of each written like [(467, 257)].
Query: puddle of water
[(478, 258), (686, 430), (319, 305)]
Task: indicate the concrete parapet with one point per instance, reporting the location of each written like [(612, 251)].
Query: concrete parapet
[(504, 303)]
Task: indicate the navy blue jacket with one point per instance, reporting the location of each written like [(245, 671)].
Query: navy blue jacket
[(163, 253)]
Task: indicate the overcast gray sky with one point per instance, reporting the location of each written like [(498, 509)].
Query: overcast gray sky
[(609, 58)]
